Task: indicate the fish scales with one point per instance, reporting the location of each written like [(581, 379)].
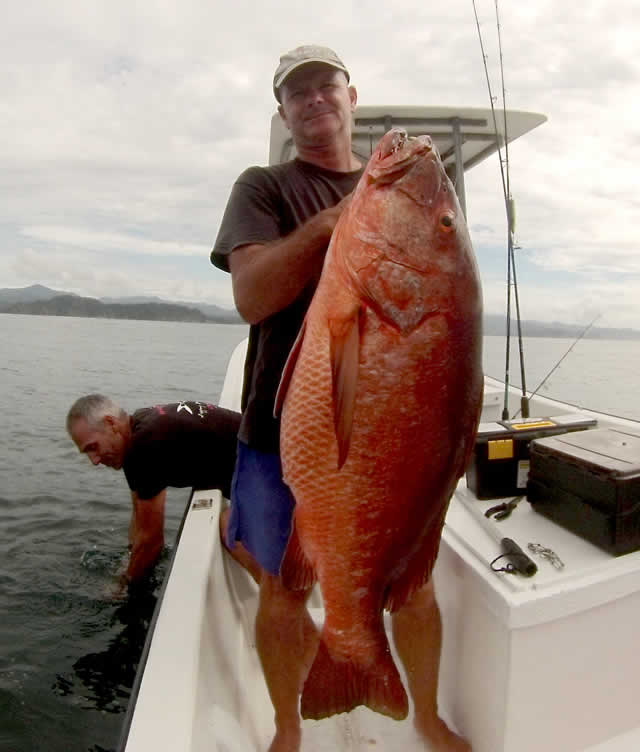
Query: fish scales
[(380, 402)]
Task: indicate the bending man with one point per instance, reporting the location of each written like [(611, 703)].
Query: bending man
[(183, 444)]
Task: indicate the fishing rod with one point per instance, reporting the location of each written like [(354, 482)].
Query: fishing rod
[(510, 212), (511, 229), (575, 342)]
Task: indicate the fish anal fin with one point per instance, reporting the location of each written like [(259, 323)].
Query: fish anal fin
[(418, 570), (296, 571), (287, 371), (338, 686), (345, 355)]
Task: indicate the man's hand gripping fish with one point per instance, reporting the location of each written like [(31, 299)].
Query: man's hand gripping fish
[(380, 402)]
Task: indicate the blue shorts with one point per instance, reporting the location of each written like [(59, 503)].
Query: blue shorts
[(261, 507)]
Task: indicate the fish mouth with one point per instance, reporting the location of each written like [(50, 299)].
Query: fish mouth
[(397, 138), (397, 152)]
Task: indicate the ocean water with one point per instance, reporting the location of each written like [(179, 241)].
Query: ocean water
[(600, 375), (68, 653)]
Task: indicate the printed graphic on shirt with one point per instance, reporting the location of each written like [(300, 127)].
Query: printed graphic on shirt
[(202, 409)]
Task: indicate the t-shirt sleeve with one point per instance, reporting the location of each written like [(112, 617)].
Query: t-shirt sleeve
[(143, 474), (251, 216)]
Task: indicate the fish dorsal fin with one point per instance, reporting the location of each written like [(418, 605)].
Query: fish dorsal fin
[(287, 371), (345, 355)]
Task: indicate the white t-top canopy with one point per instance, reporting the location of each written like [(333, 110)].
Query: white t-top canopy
[(475, 126), (464, 136)]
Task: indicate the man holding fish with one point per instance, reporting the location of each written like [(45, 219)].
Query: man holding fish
[(273, 239)]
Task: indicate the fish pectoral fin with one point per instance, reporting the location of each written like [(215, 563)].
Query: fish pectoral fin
[(287, 371), (345, 355), (296, 571)]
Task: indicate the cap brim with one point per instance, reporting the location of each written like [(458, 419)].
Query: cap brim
[(285, 74)]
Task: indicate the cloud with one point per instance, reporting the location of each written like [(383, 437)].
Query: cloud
[(103, 241), (123, 126), (87, 273)]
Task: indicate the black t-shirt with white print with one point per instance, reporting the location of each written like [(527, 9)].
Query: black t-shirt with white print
[(181, 444)]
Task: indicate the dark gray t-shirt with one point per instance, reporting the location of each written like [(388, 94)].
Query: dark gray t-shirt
[(268, 203)]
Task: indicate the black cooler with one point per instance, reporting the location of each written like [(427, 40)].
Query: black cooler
[(589, 482)]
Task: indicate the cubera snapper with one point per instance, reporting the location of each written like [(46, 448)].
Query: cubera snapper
[(380, 402)]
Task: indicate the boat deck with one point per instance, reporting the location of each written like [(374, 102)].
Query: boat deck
[(203, 687), (527, 663)]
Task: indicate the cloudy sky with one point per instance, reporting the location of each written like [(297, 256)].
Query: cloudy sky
[(124, 124)]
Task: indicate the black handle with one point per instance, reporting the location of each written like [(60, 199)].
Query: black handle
[(519, 560)]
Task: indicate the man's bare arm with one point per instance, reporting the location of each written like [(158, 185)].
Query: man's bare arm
[(268, 277), (146, 533)]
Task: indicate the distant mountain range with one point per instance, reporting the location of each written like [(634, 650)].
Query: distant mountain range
[(40, 300), (43, 301), (497, 325)]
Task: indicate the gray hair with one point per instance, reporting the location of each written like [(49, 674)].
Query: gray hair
[(93, 408)]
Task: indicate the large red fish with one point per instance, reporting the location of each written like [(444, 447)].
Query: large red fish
[(380, 403)]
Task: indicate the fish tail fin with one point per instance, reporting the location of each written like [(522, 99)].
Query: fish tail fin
[(338, 686)]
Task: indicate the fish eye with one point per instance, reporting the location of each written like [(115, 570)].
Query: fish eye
[(446, 221)]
